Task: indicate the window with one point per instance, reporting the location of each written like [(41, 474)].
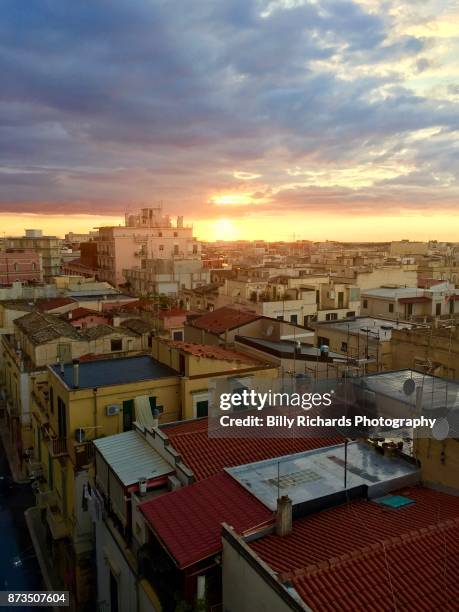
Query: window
[(410, 309), (202, 408), (177, 335), (176, 249), (344, 347), (322, 341), (280, 318), (128, 409), (365, 303), (51, 399), (161, 247), (154, 406), (61, 418), (160, 234), (391, 307), (16, 267), (438, 309), (331, 316), (195, 249), (350, 314), (175, 234), (116, 344), (294, 318), (34, 266)]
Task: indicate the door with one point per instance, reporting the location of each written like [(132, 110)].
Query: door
[(128, 410), (202, 408), (61, 419)]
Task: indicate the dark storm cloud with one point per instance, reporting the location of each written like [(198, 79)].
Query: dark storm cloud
[(112, 102)]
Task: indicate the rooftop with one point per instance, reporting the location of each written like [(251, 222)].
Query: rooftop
[(41, 328), (107, 372), (377, 328), (138, 326), (318, 473), (364, 555), (188, 521), (224, 319), (172, 312), (48, 304), (131, 457), (282, 347), (206, 455), (214, 352), (102, 330)]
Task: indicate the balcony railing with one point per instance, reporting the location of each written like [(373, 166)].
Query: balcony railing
[(58, 447), (83, 454)]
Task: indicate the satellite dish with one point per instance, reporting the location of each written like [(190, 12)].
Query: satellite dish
[(440, 430), (409, 386)]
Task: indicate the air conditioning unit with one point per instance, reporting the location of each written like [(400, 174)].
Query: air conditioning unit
[(113, 409)]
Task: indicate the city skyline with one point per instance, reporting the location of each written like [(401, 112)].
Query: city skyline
[(253, 119)]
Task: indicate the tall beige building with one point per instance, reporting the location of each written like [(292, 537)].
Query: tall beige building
[(46, 246), (148, 235)]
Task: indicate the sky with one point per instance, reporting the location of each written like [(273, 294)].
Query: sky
[(284, 119)]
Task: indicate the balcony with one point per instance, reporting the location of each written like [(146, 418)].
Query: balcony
[(82, 455), (57, 523), (57, 447)]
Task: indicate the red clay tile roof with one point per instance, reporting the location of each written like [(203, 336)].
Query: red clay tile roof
[(426, 283), (46, 305), (214, 352), (336, 559), (173, 312), (223, 319), (206, 455), (188, 521), (414, 572), (415, 300), (79, 312)]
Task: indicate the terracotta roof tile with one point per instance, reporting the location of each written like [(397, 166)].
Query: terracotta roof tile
[(214, 352), (195, 534), (46, 305), (223, 319), (342, 558), (206, 455)]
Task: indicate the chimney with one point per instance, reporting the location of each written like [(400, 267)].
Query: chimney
[(284, 516), (76, 373)]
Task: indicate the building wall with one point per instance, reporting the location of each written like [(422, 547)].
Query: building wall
[(418, 347), (439, 461), (20, 266), (109, 558), (244, 589)]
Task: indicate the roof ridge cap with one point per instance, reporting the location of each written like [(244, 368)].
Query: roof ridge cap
[(365, 551)]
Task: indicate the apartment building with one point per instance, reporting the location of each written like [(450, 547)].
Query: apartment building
[(411, 303), (430, 349), (20, 266), (146, 236), (40, 339), (48, 247), (365, 341)]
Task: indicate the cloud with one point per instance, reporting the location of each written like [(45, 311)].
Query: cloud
[(113, 103)]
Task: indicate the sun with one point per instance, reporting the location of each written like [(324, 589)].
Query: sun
[(224, 229)]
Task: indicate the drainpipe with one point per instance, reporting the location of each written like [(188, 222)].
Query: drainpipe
[(94, 391)]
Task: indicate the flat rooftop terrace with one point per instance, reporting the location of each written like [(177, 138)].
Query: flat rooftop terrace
[(108, 372), (312, 475)]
